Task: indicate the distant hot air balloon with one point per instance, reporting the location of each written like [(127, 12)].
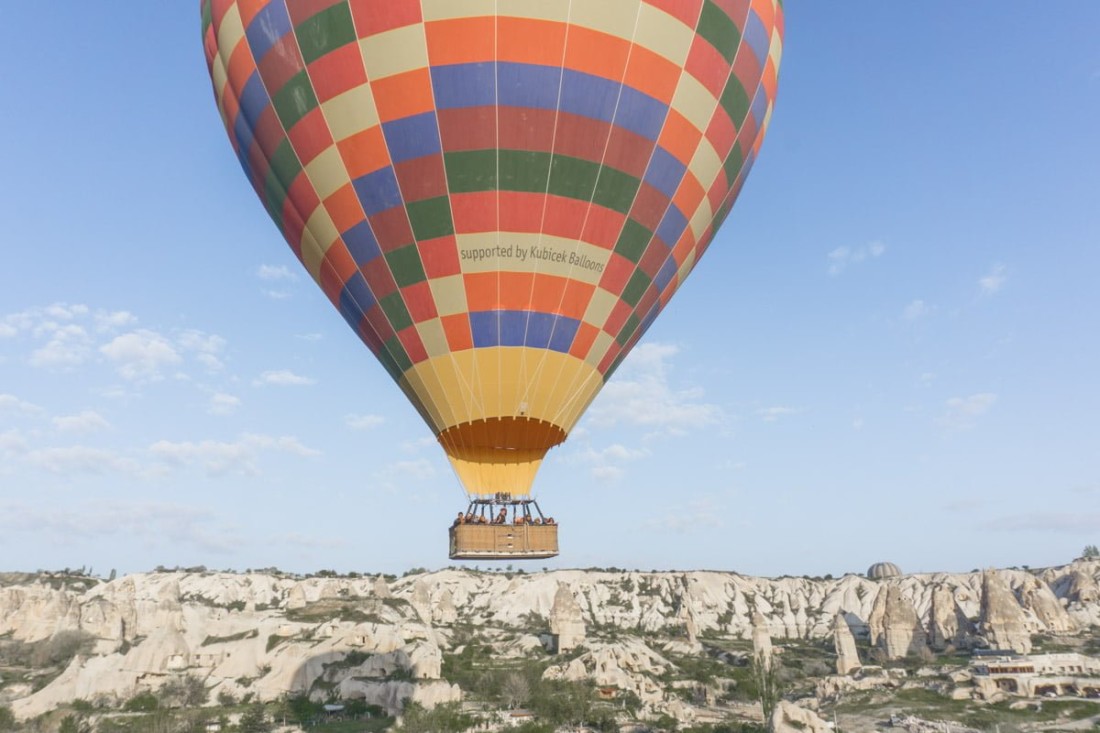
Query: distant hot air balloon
[(499, 196)]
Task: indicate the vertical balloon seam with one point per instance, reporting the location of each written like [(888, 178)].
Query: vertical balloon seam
[(591, 199), (565, 408), (452, 440), (634, 338)]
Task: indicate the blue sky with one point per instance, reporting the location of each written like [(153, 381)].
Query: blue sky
[(905, 367)]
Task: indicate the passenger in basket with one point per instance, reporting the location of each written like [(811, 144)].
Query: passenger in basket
[(460, 519)]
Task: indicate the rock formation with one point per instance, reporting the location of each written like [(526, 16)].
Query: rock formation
[(1082, 588), (566, 621), (761, 639), (894, 625), (847, 657), (1002, 621), (1037, 597), (380, 589), (947, 625), (790, 718)]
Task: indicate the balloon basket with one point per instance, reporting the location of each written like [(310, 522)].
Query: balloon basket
[(487, 532)]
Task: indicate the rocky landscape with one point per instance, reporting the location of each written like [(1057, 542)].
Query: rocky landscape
[(656, 650)]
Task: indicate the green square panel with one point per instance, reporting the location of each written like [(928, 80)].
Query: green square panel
[(396, 351), (628, 329), (326, 31), (719, 30), (573, 178), (615, 190), (635, 288), (735, 101), (284, 164), (431, 218), (522, 170), (471, 170), (734, 163), (405, 265), (396, 312), (295, 100), (633, 240)]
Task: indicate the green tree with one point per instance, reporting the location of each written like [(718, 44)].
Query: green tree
[(7, 718), (769, 687), (445, 718), (254, 720), (73, 724), (1091, 552)]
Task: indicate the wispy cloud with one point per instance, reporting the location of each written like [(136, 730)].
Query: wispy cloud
[(282, 378), (67, 346), (608, 464), (12, 444), (87, 421), (1054, 522), (12, 405), (640, 394), (842, 257), (994, 280), (223, 404), (916, 310), (774, 414), (221, 458), (82, 460), (962, 412), (140, 356), (363, 422), (151, 523), (275, 273), (206, 347)]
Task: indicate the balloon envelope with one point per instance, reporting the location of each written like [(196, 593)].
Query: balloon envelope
[(498, 196)]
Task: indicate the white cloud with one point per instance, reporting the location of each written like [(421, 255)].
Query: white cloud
[(219, 458), (12, 444), (774, 414), (963, 411), (309, 336), (916, 310), (363, 422), (305, 542), (139, 356), (272, 273), (278, 294), (1054, 522), (113, 320), (7, 330), (151, 523), (607, 464), (79, 459), (841, 257), (640, 395), (67, 346), (205, 346), (223, 404), (994, 280), (282, 378), (87, 421), (12, 405)]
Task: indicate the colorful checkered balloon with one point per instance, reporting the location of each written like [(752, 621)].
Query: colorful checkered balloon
[(499, 196)]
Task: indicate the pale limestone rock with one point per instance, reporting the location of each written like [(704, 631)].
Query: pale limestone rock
[(628, 665), (1037, 597), (392, 696), (790, 718), (847, 656), (380, 588), (1002, 622), (566, 621), (761, 639), (946, 623), (894, 625), (445, 611), (421, 601)]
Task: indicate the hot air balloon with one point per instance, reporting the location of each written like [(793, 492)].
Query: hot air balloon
[(499, 196)]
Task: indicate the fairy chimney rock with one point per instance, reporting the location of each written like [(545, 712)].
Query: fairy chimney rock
[(947, 625), (566, 621), (761, 639), (1003, 622), (894, 624), (847, 657)]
